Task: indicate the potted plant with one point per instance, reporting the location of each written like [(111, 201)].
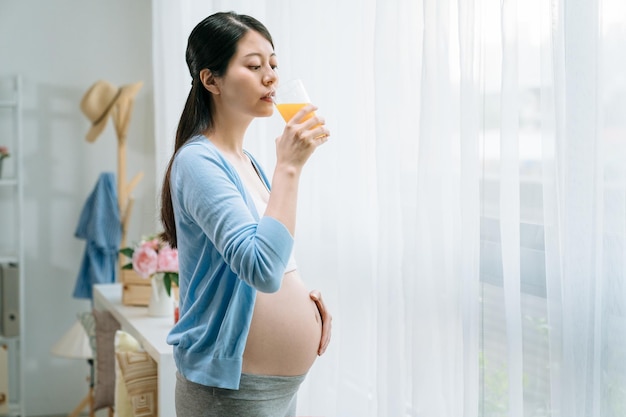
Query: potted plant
[(155, 260)]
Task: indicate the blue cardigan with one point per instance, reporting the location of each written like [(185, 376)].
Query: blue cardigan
[(226, 253)]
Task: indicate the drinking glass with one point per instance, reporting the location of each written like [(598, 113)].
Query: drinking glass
[(290, 97)]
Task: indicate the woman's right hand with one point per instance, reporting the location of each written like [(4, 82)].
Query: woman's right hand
[(293, 148), (301, 137)]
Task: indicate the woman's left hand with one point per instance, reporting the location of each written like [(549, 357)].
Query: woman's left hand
[(327, 319)]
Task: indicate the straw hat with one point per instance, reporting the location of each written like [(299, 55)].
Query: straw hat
[(99, 101)]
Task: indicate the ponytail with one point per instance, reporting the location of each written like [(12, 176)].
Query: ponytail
[(197, 117)]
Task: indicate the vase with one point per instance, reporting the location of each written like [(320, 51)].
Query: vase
[(160, 304)]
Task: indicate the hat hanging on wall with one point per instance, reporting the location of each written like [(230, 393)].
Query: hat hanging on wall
[(100, 100)]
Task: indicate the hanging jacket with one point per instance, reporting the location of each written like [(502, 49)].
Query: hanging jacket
[(100, 226)]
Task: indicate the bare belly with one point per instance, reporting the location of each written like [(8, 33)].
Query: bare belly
[(285, 331)]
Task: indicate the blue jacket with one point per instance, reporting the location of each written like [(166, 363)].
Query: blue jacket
[(226, 252), (99, 224)]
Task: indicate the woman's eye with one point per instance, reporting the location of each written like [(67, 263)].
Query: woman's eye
[(274, 67), (255, 67)]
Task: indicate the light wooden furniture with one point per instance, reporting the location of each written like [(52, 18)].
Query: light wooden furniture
[(121, 114), (88, 401), (151, 332), (136, 291)]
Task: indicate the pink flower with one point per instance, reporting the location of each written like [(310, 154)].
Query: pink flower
[(151, 244), (145, 260), (167, 260), (152, 256)]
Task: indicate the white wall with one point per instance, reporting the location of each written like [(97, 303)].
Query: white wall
[(60, 48)]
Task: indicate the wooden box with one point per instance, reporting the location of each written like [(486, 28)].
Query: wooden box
[(135, 289)]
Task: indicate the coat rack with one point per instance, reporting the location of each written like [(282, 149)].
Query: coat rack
[(121, 118), (101, 101)]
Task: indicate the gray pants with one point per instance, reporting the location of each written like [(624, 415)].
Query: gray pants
[(258, 396)]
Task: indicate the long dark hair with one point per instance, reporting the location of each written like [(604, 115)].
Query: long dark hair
[(212, 44)]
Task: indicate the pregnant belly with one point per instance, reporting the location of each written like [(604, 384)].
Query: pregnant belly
[(285, 331)]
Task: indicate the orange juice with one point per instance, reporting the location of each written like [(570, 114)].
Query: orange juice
[(288, 110)]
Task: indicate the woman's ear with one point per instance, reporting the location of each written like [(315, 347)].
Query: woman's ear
[(208, 81)]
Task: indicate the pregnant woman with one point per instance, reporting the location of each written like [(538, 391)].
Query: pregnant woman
[(249, 329)]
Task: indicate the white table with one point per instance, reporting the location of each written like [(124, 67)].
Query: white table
[(150, 332)]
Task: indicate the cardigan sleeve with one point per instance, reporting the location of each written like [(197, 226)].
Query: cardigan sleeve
[(211, 195)]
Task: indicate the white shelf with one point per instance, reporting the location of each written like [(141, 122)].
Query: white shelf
[(151, 332), (8, 182), (12, 250), (9, 259)]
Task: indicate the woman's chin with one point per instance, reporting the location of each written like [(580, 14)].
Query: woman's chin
[(267, 113), (266, 110)]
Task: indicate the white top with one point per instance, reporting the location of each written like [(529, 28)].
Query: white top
[(260, 197)]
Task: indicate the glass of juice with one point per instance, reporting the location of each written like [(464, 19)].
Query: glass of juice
[(290, 97)]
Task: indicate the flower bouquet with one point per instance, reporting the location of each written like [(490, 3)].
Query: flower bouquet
[(153, 256)]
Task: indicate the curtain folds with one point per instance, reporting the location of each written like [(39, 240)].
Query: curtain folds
[(466, 222)]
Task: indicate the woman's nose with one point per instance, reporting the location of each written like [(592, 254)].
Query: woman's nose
[(270, 77)]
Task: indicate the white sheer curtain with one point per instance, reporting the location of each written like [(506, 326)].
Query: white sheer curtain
[(466, 222), (552, 224)]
